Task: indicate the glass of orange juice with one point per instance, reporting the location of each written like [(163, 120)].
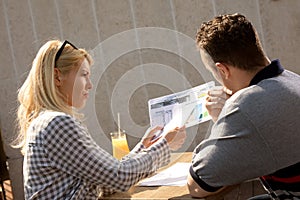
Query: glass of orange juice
[(119, 144)]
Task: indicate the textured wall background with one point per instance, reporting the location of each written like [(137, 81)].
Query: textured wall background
[(142, 49)]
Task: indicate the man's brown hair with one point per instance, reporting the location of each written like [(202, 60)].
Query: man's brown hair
[(233, 40)]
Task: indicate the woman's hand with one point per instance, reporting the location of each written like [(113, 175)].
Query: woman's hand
[(147, 139), (215, 101), (175, 138)]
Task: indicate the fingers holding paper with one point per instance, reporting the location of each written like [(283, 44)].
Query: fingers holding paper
[(147, 139), (175, 138)]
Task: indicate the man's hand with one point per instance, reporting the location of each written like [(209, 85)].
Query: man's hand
[(215, 101)]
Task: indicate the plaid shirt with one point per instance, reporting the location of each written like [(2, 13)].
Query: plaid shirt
[(63, 162)]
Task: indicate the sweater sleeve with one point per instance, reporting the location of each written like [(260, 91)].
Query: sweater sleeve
[(73, 151)]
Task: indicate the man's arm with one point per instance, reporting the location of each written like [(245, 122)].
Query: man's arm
[(196, 191)]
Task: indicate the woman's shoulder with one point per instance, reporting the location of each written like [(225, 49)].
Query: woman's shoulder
[(61, 125), (46, 117), (49, 122), (50, 115)]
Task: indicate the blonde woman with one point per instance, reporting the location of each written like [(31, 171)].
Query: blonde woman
[(61, 160)]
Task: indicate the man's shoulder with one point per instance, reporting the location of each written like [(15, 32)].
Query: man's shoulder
[(245, 94), (269, 88)]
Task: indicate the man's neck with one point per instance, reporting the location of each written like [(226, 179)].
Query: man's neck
[(241, 78)]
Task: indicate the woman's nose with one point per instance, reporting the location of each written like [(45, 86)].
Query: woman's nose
[(89, 84)]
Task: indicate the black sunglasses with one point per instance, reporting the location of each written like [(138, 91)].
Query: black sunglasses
[(62, 48)]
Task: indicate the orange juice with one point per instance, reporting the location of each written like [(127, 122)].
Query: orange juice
[(119, 145)]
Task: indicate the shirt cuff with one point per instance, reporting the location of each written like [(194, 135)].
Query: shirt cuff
[(201, 183), (138, 148)]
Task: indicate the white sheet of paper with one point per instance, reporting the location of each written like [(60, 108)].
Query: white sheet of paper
[(176, 175)]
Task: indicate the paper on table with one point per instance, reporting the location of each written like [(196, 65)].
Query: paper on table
[(176, 175)]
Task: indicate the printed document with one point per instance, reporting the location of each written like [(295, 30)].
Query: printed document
[(183, 108)]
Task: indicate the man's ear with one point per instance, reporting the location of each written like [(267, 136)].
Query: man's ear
[(223, 69), (57, 77)]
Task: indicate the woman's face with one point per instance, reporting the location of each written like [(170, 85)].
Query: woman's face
[(76, 84)]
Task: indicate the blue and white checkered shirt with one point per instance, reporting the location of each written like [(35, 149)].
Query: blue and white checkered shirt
[(62, 161)]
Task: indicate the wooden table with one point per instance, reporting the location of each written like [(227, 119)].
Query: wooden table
[(242, 191)]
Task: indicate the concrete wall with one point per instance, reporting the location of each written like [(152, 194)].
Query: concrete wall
[(142, 49)]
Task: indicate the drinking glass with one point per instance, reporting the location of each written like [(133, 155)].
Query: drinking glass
[(119, 144)]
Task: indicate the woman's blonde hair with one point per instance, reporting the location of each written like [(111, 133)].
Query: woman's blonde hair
[(39, 91)]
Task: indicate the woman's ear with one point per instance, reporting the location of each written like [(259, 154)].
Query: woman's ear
[(57, 77), (223, 69)]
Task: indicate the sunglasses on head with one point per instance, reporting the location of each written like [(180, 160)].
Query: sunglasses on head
[(58, 54)]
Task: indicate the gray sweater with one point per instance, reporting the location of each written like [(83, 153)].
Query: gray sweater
[(257, 133)]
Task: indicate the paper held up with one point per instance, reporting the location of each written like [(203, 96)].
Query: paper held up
[(176, 175), (183, 108), (176, 121)]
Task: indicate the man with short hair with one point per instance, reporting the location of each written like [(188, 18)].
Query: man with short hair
[(256, 129)]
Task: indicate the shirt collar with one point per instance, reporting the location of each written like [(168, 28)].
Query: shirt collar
[(270, 71)]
